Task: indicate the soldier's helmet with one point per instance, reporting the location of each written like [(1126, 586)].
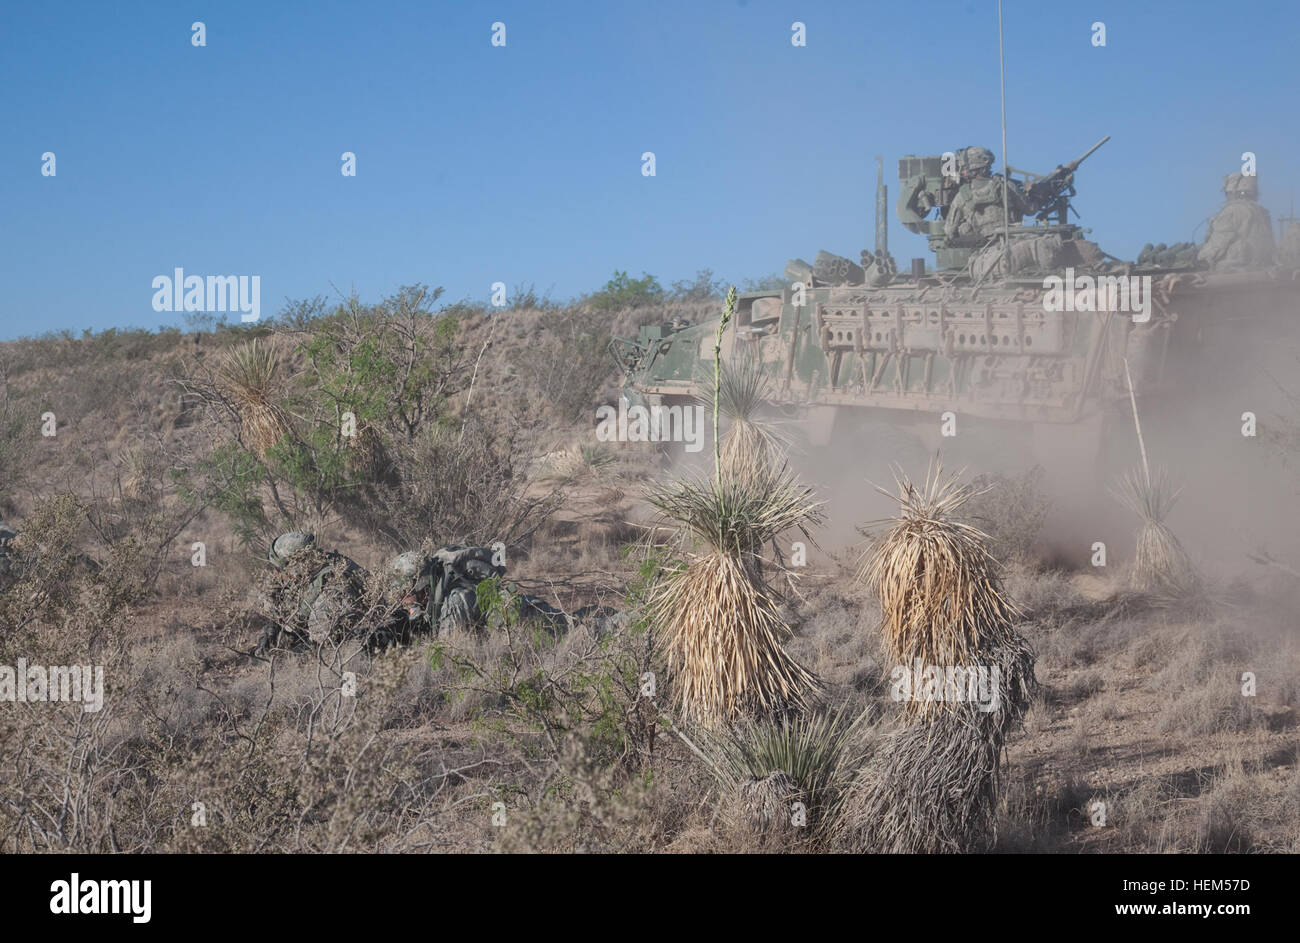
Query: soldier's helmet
[(407, 566), (286, 545), (1241, 186), (975, 160)]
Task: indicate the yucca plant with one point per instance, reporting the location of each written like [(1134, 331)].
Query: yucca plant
[(595, 456), (721, 621), (136, 471), (585, 461), (808, 758), (1160, 563), (940, 590), (750, 443), (248, 375), (932, 785)]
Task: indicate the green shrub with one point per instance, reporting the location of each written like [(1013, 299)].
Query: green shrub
[(704, 287), (622, 291)]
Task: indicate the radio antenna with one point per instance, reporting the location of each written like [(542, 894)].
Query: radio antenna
[(882, 216), (1006, 217)]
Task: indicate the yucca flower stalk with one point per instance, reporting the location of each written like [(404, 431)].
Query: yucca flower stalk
[(728, 311), (750, 444)]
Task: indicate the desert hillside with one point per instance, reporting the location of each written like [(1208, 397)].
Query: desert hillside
[(176, 458)]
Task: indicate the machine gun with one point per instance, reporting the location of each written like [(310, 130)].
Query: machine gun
[(1050, 195)]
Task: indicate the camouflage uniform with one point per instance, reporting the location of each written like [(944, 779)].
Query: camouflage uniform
[(406, 582), (976, 211), (310, 592), (1040, 253), (455, 596), (1241, 235), (440, 591), (976, 217)]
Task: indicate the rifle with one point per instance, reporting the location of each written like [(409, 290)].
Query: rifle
[(1051, 194)]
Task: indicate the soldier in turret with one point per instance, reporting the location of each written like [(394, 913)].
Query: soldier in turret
[(1241, 235), (976, 218), (976, 213)]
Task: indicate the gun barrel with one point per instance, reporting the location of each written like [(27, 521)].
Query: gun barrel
[(1088, 153)]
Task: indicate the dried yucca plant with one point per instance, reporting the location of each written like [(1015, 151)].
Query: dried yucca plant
[(932, 785), (1160, 562), (582, 462), (722, 623), (248, 376), (138, 472), (940, 591)]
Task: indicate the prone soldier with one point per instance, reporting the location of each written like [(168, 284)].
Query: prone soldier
[(309, 594)]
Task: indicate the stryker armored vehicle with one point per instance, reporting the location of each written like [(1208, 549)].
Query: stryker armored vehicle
[(845, 345)]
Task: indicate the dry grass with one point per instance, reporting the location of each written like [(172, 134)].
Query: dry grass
[(582, 463), (418, 759), (724, 632), (748, 447)]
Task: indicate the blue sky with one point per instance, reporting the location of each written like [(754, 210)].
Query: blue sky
[(522, 164)]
